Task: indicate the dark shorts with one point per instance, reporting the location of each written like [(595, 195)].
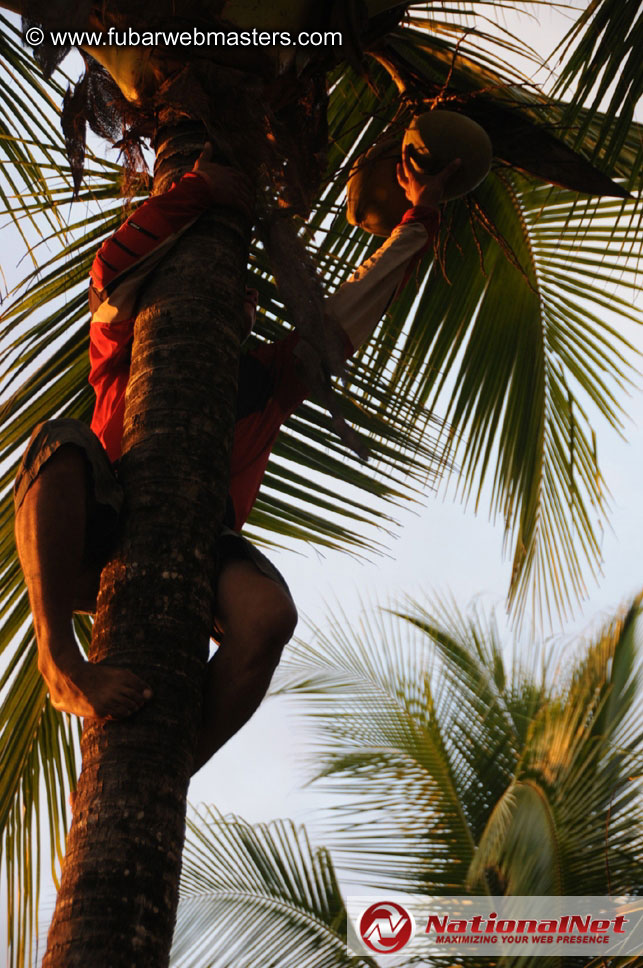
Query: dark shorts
[(107, 493)]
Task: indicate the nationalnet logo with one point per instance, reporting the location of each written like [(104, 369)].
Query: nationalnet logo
[(386, 927), (442, 926)]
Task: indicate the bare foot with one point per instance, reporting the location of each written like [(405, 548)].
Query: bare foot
[(95, 690)]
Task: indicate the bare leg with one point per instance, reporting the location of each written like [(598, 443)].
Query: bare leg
[(257, 618), (50, 537)]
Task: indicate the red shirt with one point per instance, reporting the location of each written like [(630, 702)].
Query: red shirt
[(120, 266), (270, 388)]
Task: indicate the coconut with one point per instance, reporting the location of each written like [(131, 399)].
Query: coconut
[(376, 202), (438, 137)]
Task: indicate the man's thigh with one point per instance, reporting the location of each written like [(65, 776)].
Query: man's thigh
[(252, 607), (52, 436), (58, 448)]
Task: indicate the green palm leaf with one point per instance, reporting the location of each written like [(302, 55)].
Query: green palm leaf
[(519, 850), (528, 363), (459, 773), (38, 746), (31, 142), (602, 68), (391, 735), (573, 792), (258, 894), (39, 753)]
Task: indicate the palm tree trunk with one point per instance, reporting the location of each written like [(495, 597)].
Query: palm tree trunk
[(117, 901)]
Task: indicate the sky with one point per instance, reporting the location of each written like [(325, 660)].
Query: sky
[(442, 549)]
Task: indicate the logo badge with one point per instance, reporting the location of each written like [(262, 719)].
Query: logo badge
[(386, 927)]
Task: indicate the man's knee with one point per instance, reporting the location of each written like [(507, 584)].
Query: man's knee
[(283, 618), (259, 612), (271, 622)]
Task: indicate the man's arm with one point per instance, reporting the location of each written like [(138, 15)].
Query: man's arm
[(359, 304)]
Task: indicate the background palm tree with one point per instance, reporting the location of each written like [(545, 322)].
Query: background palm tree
[(464, 766), (258, 894), (527, 407), (461, 770)]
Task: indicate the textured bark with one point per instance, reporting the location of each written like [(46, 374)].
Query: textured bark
[(117, 901)]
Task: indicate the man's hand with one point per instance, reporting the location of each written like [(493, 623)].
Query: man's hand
[(228, 186), (420, 188)]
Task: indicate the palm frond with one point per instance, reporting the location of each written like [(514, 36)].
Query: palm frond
[(394, 733), (258, 894), (519, 851), (512, 337), (601, 67), (39, 752), (459, 773), (38, 746), (582, 749), (31, 143), (528, 362)]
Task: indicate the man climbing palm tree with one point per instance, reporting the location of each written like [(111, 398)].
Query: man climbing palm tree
[(67, 492)]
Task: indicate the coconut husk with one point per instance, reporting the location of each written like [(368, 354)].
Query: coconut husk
[(436, 138)]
